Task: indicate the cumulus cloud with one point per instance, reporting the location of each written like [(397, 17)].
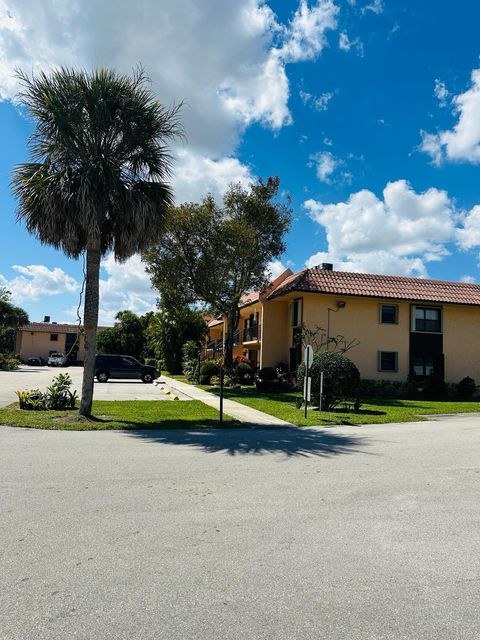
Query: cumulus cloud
[(126, 287), (227, 60), (468, 236), (275, 268), (327, 167), (37, 281), (399, 234), (462, 142), (197, 175), (374, 7), (468, 279)]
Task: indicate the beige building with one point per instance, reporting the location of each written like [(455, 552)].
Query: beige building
[(400, 326), (41, 339)]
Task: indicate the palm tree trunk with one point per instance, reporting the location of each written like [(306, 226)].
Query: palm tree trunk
[(90, 322)]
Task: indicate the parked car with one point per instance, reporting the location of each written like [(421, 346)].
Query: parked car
[(122, 367), (56, 360), (35, 361)]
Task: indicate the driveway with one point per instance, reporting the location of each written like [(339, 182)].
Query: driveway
[(279, 534), (40, 377)]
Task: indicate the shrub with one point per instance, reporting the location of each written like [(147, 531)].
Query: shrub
[(267, 373), (208, 369), (341, 378), (151, 362), (466, 388), (383, 389), (58, 395), (243, 373), (283, 372), (190, 354), (160, 365), (434, 388), (8, 362), (33, 400)]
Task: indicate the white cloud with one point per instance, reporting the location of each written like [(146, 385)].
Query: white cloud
[(400, 233), (375, 7), (468, 236), (325, 164), (345, 44), (127, 287), (462, 142), (227, 60), (38, 281), (197, 175), (468, 279), (319, 103), (275, 268), (441, 93)]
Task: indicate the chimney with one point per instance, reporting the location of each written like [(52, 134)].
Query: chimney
[(46, 319), (327, 266)]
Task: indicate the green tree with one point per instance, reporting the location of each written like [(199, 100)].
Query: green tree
[(170, 329), (11, 317), (98, 177), (126, 337), (215, 254)]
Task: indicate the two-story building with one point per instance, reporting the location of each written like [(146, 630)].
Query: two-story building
[(402, 325)]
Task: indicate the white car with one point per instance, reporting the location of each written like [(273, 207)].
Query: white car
[(56, 360)]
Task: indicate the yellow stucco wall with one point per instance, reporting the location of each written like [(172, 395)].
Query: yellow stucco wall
[(461, 342), (38, 344), (276, 333)]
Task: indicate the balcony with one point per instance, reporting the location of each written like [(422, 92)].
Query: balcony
[(249, 334)]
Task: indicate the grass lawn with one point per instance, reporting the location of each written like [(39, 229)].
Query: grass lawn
[(282, 405), (130, 414)]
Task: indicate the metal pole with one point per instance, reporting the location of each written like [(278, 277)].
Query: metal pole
[(221, 394), (307, 370), (321, 390)]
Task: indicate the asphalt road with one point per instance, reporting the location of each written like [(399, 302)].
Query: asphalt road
[(40, 377), (339, 534)]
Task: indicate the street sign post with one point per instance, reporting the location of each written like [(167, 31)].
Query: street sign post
[(307, 385)]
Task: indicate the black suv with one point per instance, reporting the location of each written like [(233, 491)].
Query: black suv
[(126, 367)]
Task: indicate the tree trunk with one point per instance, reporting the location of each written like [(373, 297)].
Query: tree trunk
[(232, 321), (90, 323)]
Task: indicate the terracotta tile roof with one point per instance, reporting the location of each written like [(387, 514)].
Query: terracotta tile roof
[(51, 327), (215, 322), (249, 298), (318, 280)]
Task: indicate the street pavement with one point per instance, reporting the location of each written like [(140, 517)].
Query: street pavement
[(40, 377), (348, 533)]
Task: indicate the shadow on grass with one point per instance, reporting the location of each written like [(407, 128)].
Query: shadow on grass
[(290, 441)]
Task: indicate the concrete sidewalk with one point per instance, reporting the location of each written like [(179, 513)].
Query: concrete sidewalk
[(234, 409)]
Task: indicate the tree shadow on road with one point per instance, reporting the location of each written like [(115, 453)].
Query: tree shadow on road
[(290, 441)]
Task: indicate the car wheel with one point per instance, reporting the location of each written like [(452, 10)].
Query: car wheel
[(147, 378), (102, 376)]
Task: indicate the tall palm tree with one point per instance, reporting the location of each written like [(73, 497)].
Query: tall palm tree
[(98, 177)]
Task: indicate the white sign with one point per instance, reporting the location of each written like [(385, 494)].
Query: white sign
[(308, 356), (307, 388)]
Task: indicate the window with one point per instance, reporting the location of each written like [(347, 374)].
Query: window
[(388, 361), (297, 313), (423, 366), (388, 313), (54, 337), (428, 319)]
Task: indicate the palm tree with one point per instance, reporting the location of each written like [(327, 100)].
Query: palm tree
[(98, 177)]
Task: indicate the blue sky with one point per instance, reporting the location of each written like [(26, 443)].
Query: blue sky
[(368, 112)]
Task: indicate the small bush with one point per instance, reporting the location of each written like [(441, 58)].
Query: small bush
[(283, 372), (341, 378), (208, 369), (466, 388), (190, 362), (380, 389), (434, 388), (267, 373), (243, 373), (8, 362), (33, 400)]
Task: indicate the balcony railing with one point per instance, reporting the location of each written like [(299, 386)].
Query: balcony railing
[(252, 334)]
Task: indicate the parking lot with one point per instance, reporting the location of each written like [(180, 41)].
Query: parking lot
[(39, 377)]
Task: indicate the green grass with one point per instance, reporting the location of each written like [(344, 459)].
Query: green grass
[(282, 405), (131, 414)]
